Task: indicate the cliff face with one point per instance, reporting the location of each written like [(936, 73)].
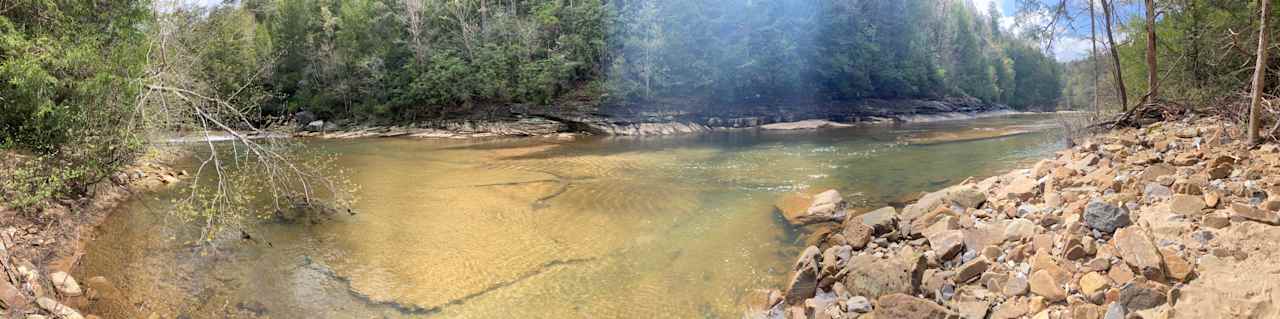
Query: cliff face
[(1175, 220)]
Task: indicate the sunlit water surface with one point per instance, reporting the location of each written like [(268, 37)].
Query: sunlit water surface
[(658, 227)]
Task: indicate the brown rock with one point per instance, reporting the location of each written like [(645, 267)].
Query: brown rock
[(1151, 173), (1094, 282), (857, 235), (1010, 309), (1271, 205), (804, 283), (972, 269), (907, 307), (1036, 304), (1186, 205), (973, 309), (1086, 311), (1222, 160), (934, 280), (1219, 172), (1177, 267), (871, 276), (1120, 273), (1015, 286), (1245, 212), (1044, 284), (1137, 249), (1216, 220), (947, 244), (993, 281), (10, 296), (1212, 198), (1022, 188)]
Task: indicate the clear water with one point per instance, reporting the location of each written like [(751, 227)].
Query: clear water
[(658, 227)]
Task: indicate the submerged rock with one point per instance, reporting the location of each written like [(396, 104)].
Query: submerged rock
[(827, 206)]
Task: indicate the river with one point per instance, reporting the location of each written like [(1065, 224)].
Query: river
[(590, 227)]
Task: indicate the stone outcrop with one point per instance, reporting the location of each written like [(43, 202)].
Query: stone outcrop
[(1154, 223)]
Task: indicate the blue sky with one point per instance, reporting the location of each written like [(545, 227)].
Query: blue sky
[(1072, 38)]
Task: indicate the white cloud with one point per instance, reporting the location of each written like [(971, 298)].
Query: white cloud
[(982, 5), (1071, 48)]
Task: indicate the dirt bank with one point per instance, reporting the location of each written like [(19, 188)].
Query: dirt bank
[(1174, 220), (39, 248)]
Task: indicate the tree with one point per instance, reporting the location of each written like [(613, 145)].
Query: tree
[(1153, 79), (1107, 11), (1259, 74), (1093, 56)]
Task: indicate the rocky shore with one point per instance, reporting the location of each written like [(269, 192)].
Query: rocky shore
[(652, 120), (1173, 220), (39, 250)]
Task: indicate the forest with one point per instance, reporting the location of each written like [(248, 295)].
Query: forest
[(88, 83)]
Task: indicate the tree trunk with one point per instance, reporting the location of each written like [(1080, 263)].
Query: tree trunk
[(1259, 75), (1115, 56), (1097, 67), (1153, 79)]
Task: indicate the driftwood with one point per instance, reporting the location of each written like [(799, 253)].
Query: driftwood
[(1144, 114)]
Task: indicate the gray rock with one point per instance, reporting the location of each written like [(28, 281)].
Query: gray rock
[(1115, 311), (881, 220), (1105, 217), (1142, 295), (1154, 192), (314, 126), (304, 117), (858, 304)]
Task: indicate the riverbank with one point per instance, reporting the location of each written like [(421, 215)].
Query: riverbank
[(1174, 220), (521, 120), (39, 249)]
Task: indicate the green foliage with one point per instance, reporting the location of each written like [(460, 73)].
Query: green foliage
[(766, 51), (1205, 50), (70, 71)]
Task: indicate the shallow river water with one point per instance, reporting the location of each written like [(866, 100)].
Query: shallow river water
[(656, 227)]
